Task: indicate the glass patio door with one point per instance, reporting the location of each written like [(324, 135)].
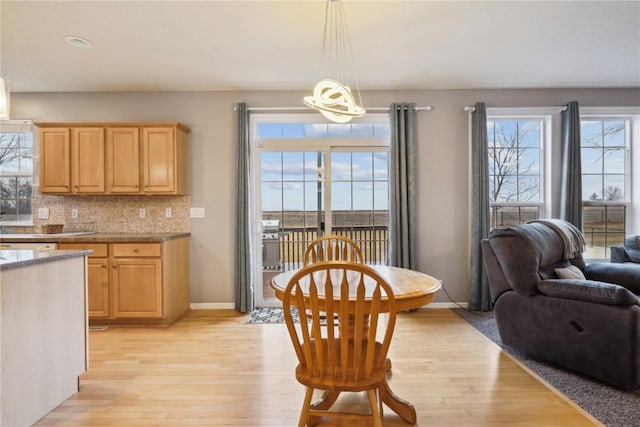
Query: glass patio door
[(295, 189), (311, 178)]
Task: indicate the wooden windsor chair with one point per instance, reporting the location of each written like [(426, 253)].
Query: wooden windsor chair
[(348, 358), (332, 248)]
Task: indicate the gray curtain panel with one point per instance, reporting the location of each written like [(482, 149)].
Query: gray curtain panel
[(479, 295), (402, 229), (571, 178), (244, 298)]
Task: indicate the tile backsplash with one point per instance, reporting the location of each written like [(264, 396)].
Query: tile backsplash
[(112, 214)]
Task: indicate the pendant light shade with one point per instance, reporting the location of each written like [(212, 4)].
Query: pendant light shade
[(332, 95)]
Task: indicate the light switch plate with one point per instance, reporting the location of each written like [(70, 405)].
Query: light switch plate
[(196, 213), (168, 213), (74, 213), (142, 213), (43, 213)]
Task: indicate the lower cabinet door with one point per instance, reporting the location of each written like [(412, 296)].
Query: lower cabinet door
[(98, 287), (137, 287)]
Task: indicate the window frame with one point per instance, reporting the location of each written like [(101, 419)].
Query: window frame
[(23, 126), (546, 116), (631, 116)]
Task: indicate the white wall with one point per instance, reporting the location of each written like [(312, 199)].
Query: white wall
[(443, 172)]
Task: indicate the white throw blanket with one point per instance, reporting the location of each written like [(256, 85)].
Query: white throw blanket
[(572, 237)]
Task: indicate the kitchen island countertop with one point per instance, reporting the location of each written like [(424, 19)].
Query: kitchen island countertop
[(14, 258), (94, 237)]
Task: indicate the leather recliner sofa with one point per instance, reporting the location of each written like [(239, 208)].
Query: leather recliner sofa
[(589, 325), (629, 253)]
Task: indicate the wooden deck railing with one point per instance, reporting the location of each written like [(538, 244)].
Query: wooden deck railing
[(294, 241)]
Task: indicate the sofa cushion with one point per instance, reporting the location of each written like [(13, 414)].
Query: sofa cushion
[(588, 290), (570, 272)]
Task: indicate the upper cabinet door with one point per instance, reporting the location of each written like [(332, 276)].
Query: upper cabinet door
[(123, 160), (55, 160), (159, 160), (87, 161)]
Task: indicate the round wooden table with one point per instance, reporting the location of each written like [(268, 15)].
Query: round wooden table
[(412, 290)]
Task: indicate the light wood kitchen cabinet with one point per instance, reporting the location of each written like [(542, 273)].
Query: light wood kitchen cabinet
[(55, 160), (72, 160), (114, 158), (136, 278), (97, 277), (137, 283), (87, 160), (123, 160)]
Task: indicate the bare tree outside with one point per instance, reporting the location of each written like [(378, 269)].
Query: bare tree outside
[(15, 176), (514, 172)]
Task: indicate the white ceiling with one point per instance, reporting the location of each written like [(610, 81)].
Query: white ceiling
[(275, 45)]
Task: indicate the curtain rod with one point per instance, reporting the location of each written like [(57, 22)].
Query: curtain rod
[(425, 108), (472, 109)]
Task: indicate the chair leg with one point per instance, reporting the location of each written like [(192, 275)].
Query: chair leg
[(373, 403), (304, 414)]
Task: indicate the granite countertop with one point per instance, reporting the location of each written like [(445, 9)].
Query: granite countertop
[(12, 258), (90, 237)]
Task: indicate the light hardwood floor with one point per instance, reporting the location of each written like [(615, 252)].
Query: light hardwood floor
[(211, 369)]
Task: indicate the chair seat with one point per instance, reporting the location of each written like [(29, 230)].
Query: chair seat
[(340, 377)]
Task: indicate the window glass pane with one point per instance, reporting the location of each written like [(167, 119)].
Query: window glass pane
[(381, 166), (293, 196), (315, 130), (381, 130), (529, 161), (592, 187), (529, 133), (269, 130), (313, 161), (339, 130), (592, 160), (362, 196), (362, 130), (271, 165), (311, 196), (340, 166), (590, 133), (613, 188), (381, 196), (614, 160), (362, 166), (292, 130), (614, 133), (529, 189), (340, 195), (271, 196), (292, 166)]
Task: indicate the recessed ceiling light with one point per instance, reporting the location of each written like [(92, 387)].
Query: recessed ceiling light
[(77, 41)]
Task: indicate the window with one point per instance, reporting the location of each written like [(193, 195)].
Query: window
[(516, 168), (606, 144), (16, 173)]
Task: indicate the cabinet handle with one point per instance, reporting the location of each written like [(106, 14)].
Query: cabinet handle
[(135, 251), (114, 266), (104, 265)]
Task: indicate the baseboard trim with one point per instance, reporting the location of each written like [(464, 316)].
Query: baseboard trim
[(212, 305)]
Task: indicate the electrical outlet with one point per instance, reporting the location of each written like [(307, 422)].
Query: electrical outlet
[(168, 213), (143, 213), (74, 213), (43, 213)]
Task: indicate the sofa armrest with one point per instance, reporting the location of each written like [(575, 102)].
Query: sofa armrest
[(587, 290), (626, 275), (619, 254)]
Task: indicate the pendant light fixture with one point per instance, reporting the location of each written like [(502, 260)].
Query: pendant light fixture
[(4, 98), (332, 95)]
